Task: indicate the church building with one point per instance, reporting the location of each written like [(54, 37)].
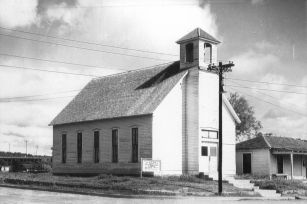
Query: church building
[(168, 112)]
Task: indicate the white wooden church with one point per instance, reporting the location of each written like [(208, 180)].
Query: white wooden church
[(167, 113)]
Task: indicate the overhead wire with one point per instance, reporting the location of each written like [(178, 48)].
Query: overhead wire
[(82, 48), (55, 61), (87, 42), (40, 99), (268, 95), (45, 70), (265, 82), (11, 99), (274, 90), (268, 102)]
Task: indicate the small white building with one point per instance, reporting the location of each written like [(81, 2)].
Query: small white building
[(168, 113)]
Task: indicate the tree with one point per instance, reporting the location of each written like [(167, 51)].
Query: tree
[(249, 126)]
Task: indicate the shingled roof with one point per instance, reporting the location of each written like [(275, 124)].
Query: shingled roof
[(127, 94), (198, 34), (275, 143)]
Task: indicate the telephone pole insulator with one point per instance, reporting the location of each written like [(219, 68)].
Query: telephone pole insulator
[(220, 70)]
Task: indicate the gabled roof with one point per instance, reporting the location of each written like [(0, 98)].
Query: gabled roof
[(198, 34), (127, 94), (231, 110), (275, 143), (255, 143)]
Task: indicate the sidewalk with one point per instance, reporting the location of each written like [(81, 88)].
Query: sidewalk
[(119, 195)]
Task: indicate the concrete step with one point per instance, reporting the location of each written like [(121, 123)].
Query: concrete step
[(268, 193), (246, 184)]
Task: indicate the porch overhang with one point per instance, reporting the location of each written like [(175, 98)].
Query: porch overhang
[(283, 151), (290, 152)]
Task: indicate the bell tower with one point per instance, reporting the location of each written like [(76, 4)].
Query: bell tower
[(197, 48)]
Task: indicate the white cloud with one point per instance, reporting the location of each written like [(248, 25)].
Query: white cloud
[(14, 13), (253, 62)]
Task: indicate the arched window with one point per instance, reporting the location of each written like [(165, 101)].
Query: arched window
[(189, 52), (208, 53)]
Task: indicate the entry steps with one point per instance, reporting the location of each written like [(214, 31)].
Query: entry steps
[(246, 184)]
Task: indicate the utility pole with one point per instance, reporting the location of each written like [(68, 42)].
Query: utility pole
[(220, 70), (26, 147), (36, 147)]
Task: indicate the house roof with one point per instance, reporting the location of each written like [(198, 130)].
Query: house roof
[(198, 33), (121, 95), (273, 142)]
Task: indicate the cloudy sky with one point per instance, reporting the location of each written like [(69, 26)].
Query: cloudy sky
[(266, 39)]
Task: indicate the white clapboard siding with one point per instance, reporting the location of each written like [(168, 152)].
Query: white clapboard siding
[(124, 125), (167, 132)]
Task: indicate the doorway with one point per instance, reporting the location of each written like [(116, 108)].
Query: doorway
[(280, 164), (208, 158), (247, 163)]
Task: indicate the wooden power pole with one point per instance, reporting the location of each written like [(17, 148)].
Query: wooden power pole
[(220, 70)]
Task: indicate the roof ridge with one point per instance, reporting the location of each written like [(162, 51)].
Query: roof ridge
[(265, 140), (134, 70)]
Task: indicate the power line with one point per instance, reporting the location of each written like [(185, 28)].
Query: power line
[(44, 70), (54, 61), (83, 48), (268, 102), (268, 89), (87, 42), (278, 99), (126, 5), (265, 82), (38, 95), (68, 91), (41, 99)]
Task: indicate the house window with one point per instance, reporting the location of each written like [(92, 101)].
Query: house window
[(209, 134), (189, 52), (204, 151), (63, 148), (213, 134), (79, 147), (115, 145), (96, 146), (135, 145)]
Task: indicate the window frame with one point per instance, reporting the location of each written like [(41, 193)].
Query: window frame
[(79, 147), (207, 151), (135, 145), (115, 146), (64, 148), (96, 149), (208, 45), (189, 53), (207, 136)]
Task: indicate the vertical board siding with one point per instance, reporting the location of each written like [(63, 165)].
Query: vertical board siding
[(191, 120), (124, 165)]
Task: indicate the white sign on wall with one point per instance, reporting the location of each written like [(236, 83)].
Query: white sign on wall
[(149, 165)]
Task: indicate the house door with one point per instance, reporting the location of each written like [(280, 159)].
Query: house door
[(280, 164), (208, 158), (247, 163)]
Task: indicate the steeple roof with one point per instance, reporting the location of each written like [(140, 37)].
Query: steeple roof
[(198, 33)]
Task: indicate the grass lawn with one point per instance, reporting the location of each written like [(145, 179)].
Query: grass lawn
[(172, 185)]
